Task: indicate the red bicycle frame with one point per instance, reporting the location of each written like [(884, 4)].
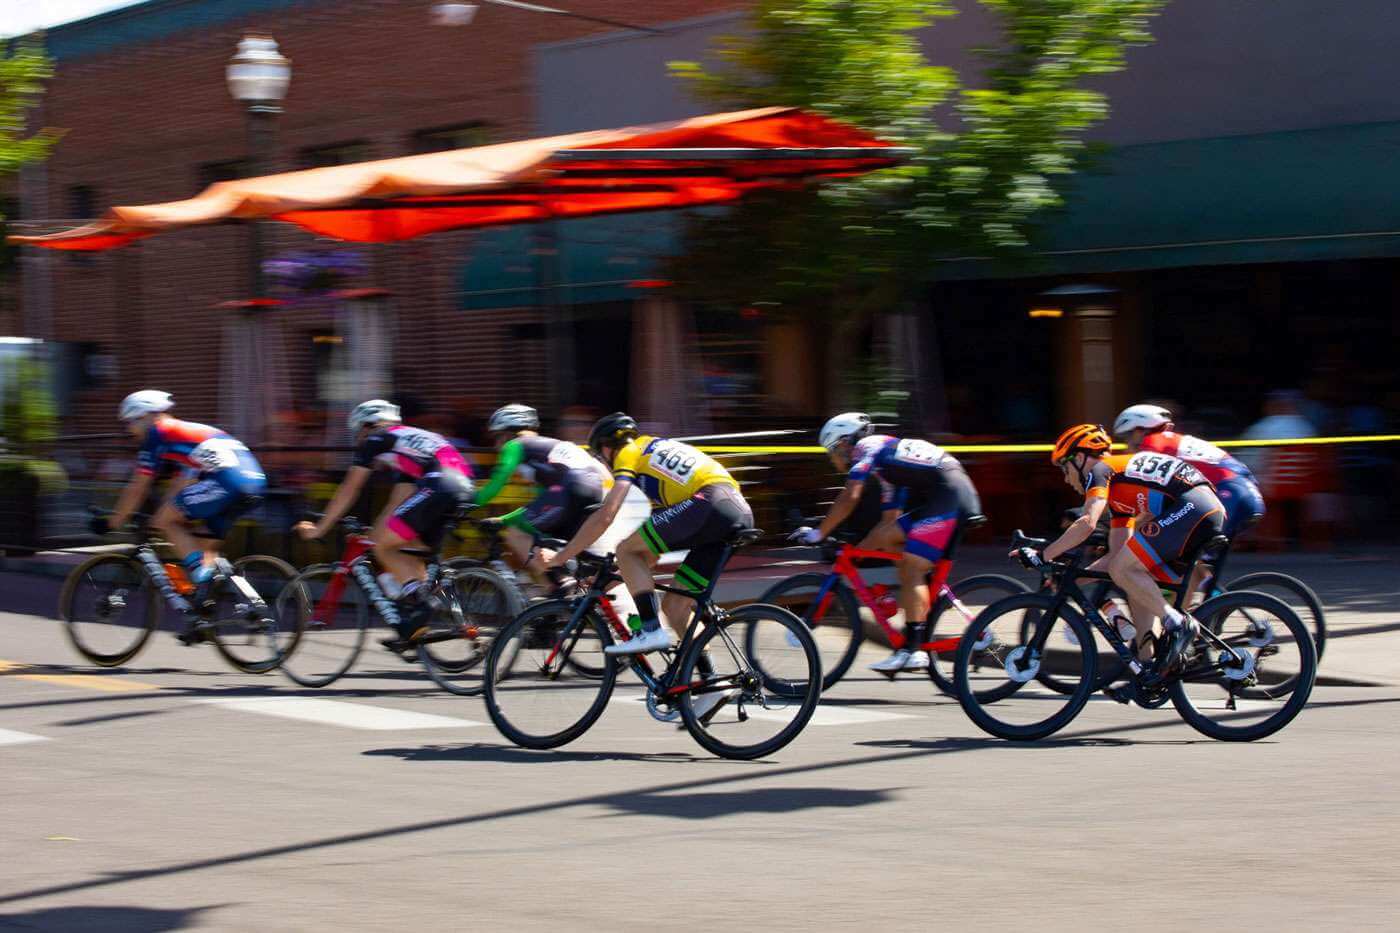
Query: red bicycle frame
[(356, 546), (872, 597)]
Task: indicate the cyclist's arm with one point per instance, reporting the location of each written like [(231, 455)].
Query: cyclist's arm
[(597, 523), (842, 508), (1116, 538), (509, 461), (1079, 531), (131, 498), (343, 500)]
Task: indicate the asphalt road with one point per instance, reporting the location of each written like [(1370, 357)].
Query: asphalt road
[(176, 795)]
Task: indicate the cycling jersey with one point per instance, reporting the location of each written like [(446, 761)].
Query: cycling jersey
[(413, 452), (547, 462), (1141, 485), (668, 471), (901, 463), (1215, 464), (199, 449)]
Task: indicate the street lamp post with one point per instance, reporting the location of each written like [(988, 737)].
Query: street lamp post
[(258, 76)]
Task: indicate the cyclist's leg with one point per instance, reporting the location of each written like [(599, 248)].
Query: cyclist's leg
[(204, 500), (397, 494)]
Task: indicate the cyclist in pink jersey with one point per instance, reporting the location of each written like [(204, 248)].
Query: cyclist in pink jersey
[(433, 483)]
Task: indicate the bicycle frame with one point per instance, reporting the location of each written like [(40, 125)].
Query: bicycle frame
[(844, 568)]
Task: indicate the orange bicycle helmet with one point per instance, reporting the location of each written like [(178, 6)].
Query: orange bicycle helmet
[(1091, 439)]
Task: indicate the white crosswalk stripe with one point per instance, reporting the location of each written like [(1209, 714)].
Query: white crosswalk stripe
[(10, 737), (347, 715)]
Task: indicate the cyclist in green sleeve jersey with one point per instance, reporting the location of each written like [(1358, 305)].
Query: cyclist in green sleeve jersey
[(568, 481)]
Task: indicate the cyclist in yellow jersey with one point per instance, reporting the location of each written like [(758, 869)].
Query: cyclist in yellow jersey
[(696, 505)]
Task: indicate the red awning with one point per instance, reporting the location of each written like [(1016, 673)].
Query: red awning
[(705, 160)]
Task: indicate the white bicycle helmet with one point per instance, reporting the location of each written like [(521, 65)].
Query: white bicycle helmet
[(850, 425), (375, 411), (145, 402), (514, 418), (1147, 417)]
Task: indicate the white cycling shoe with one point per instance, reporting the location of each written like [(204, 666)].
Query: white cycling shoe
[(902, 660), (643, 642), (707, 704)]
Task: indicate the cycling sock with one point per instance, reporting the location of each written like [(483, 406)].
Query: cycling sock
[(194, 566), (914, 637), (646, 610)]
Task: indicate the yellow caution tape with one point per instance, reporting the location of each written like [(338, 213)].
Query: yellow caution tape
[(1045, 448)]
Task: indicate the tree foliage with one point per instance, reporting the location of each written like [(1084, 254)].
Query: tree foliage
[(23, 70), (987, 156)]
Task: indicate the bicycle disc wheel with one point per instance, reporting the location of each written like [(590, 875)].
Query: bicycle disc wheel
[(834, 620), (256, 639), (1257, 687), (1296, 594), (336, 616), (110, 608), (536, 698), (480, 603), (996, 669), (970, 597), (763, 708)]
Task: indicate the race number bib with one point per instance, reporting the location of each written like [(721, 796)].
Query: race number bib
[(674, 461), (1193, 448), (217, 453), (570, 456), (919, 453), (1157, 469)]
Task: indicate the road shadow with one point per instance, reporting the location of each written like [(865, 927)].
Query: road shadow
[(771, 800), (106, 919), (509, 754), (955, 745)]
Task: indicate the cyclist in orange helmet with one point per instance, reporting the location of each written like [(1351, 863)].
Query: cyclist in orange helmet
[(1162, 510)]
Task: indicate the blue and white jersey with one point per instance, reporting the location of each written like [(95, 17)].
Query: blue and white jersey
[(900, 463)]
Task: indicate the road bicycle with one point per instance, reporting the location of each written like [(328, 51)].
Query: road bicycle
[(112, 603), (538, 697), (339, 601), (830, 604), (1248, 673)]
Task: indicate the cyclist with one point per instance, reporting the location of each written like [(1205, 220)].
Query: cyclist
[(568, 479), (219, 479), (1162, 509), (696, 505), (440, 485), (1149, 427), (925, 496)]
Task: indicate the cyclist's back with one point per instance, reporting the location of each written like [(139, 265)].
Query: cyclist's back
[(1169, 504), (669, 471)]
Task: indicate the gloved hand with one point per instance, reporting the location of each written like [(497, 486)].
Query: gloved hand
[(806, 536), (99, 525), (1029, 557)]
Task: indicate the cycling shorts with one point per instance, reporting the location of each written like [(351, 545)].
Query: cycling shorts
[(425, 514), (1244, 504), (703, 524), (930, 518), (1166, 544), (219, 498), (558, 511)]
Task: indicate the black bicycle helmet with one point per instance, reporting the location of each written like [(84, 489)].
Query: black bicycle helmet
[(611, 429)]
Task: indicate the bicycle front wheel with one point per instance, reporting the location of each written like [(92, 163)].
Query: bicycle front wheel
[(761, 707), (1256, 678), (996, 669), (480, 603), (969, 598), (110, 609), (256, 638), (829, 611), (336, 617), (534, 695)]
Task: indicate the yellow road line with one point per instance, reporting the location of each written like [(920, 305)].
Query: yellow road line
[(1044, 448), (108, 683)]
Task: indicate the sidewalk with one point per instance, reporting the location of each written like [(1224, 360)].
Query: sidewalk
[(1361, 594)]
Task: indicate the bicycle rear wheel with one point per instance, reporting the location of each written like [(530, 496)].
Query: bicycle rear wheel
[(336, 618), (996, 668), (764, 708), (1296, 594), (110, 609), (255, 639), (970, 597), (1261, 683), (480, 603), (834, 619), (536, 698)]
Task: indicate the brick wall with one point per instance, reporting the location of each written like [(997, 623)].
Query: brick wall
[(142, 119)]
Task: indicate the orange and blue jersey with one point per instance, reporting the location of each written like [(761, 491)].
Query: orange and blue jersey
[(198, 449)]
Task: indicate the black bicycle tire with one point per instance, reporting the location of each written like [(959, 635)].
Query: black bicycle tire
[(1010, 586), (436, 668), (493, 656), (809, 701), (154, 604), (849, 605), (1297, 697), (1251, 581), (1105, 676), (271, 664), (974, 707), (362, 616)]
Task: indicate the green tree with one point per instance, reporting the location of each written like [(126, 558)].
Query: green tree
[(986, 157), (23, 70)]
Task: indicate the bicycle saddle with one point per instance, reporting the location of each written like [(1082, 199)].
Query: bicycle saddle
[(745, 536), (554, 544), (974, 521)]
